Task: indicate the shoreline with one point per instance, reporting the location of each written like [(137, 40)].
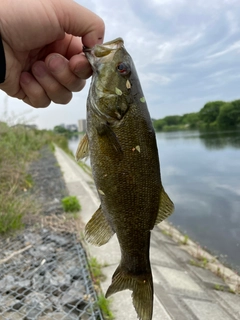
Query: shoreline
[(206, 259)]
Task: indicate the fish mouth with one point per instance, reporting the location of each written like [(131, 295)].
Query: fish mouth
[(103, 51)]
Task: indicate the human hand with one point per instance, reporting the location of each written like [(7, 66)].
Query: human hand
[(43, 51)]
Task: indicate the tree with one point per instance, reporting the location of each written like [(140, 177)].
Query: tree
[(229, 115), (191, 119), (159, 124), (210, 111), (172, 120)]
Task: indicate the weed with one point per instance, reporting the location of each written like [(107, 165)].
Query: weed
[(201, 263), (96, 270), (167, 233), (104, 305), (185, 239), (19, 145), (204, 262), (219, 273), (195, 263), (71, 204), (219, 287)]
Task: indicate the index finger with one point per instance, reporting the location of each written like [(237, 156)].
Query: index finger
[(79, 21)]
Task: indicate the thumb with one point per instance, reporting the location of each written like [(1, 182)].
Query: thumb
[(79, 21)]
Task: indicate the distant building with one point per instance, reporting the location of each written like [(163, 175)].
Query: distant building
[(82, 125)]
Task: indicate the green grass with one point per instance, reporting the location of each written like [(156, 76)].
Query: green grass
[(96, 270), (185, 240), (71, 204), (104, 305), (19, 146)]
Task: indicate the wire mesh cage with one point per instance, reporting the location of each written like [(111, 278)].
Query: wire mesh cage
[(44, 275)]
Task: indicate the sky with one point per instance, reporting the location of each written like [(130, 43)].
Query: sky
[(186, 53)]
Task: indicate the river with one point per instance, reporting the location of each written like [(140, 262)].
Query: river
[(201, 174)]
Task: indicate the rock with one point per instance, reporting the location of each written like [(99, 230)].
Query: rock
[(58, 239), (75, 272), (7, 283), (72, 297)]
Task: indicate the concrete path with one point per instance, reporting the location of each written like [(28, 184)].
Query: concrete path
[(183, 290)]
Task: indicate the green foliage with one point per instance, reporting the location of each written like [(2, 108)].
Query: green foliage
[(159, 124), (185, 239), (190, 120), (65, 132), (214, 115), (172, 120), (209, 113), (96, 268), (71, 204), (229, 115), (19, 145), (104, 305)]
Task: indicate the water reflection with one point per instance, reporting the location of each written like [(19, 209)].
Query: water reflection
[(200, 172), (220, 140)]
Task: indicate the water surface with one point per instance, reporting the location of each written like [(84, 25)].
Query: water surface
[(201, 173)]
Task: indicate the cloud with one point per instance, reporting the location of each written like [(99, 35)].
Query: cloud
[(186, 53)]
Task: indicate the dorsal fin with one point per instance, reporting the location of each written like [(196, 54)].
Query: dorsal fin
[(83, 148)]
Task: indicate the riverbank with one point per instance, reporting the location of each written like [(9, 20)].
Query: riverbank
[(44, 271)]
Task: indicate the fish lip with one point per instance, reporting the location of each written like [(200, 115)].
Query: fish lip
[(116, 44), (109, 47)]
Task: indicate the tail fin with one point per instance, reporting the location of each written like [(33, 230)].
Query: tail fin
[(142, 287)]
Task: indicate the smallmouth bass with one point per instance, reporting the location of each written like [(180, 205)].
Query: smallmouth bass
[(121, 142)]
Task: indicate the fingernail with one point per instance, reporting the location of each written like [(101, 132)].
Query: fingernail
[(56, 64)]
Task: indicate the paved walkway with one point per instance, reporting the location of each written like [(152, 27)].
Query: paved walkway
[(183, 290)]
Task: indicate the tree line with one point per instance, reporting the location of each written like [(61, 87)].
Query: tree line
[(213, 115)]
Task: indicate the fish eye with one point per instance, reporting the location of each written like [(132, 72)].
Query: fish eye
[(123, 68)]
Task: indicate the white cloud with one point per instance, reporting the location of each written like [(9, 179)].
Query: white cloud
[(186, 53)]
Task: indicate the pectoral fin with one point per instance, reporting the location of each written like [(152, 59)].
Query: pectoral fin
[(83, 149), (105, 131), (98, 231), (166, 207)]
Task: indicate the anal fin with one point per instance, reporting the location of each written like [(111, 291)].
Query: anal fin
[(98, 231), (166, 207), (83, 148)]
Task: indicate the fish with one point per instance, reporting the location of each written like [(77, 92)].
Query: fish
[(121, 142)]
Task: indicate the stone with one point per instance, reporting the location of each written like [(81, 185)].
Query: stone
[(7, 283), (72, 297)]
